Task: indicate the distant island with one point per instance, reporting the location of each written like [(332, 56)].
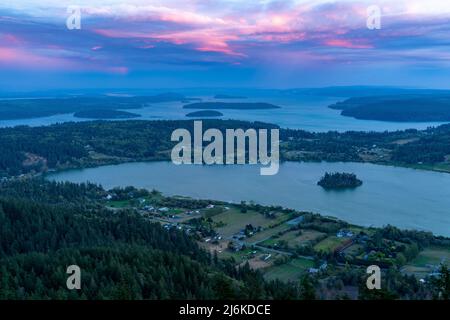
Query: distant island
[(204, 113), (339, 181), (226, 96), (231, 105), (398, 108), (105, 114), (45, 107)]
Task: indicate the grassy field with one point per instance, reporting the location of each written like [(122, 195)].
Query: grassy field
[(432, 256), (419, 272), (427, 261), (268, 233), (294, 240), (222, 251), (353, 250), (119, 204), (290, 271), (239, 257), (235, 221), (329, 244), (306, 237)]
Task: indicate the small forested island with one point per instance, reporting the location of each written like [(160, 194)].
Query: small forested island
[(105, 114), (204, 113), (231, 105), (339, 180)]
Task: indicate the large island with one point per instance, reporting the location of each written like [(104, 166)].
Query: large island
[(398, 108)]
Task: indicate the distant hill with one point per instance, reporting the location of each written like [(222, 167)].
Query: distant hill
[(398, 108), (105, 114), (226, 96), (204, 113), (362, 91), (231, 105), (35, 107)]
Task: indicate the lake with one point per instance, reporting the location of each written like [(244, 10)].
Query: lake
[(406, 198), (297, 112)]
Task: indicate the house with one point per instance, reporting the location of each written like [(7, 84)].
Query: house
[(235, 246), (163, 209), (313, 270), (344, 234), (108, 197), (210, 206)]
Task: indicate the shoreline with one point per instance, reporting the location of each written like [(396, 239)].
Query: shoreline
[(324, 211)]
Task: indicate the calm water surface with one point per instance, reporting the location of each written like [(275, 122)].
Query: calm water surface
[(299, 112), (406, 198)]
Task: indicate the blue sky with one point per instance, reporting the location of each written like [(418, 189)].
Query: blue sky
[(223, 43)]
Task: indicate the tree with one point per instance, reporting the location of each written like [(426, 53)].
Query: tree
[(442, 284), (307, 291)]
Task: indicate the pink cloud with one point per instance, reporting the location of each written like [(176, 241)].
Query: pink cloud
[(21, 57), (26, 58), (348, 44), (231, 32), (234, 30), (203, 40), (117, 70), (11, 39)]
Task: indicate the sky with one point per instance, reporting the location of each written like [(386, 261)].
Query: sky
[(223, 43)]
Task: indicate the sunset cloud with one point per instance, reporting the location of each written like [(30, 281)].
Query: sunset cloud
[(126, 36)]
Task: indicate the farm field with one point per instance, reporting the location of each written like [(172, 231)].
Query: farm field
[(428, 261), (268, 233), (290, 271), (330, 244), (293, 239), (353, 250), (234, 221), (120, 204), (432, 256)]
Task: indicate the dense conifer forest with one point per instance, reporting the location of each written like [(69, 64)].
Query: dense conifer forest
[(47, 226), (74, 145)]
